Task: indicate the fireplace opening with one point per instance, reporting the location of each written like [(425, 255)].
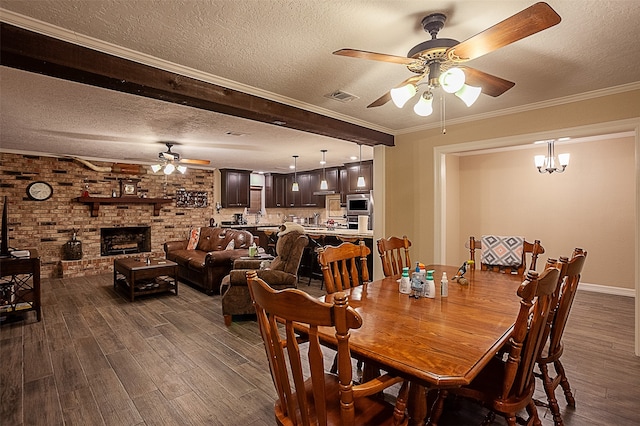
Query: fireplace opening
[(125, 240)]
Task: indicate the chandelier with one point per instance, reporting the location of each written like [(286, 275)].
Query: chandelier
[(551, 163), (451, 81)]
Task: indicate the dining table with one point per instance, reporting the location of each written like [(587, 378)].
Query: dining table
[(435, 343)]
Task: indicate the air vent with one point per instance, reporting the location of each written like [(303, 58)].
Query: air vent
[(232, 133), (341, 96)]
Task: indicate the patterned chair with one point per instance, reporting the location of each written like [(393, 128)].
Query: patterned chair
[(506, 254)]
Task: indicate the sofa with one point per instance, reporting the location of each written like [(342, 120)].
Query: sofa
[(280, 273), (207, 255)]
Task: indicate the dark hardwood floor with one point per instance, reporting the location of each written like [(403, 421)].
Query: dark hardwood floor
[(96, 359)]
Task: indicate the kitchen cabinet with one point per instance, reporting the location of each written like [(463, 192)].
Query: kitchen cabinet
[(332, 176), (344, 185), (235, 188), (275, 190), (354, 170), (308, 183)]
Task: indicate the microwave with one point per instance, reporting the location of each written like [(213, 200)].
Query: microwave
[(359, 204)]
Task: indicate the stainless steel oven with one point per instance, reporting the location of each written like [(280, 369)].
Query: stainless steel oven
[(359, 205)]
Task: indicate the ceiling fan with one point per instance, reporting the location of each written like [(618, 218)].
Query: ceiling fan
[(169, 159), (435, 60)]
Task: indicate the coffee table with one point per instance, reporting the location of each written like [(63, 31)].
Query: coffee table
[(137, 277)]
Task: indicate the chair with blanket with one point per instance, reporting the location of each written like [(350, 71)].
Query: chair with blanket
[(281, 273), (506, 254)]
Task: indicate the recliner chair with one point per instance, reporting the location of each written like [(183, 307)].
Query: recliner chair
[(281, 273)]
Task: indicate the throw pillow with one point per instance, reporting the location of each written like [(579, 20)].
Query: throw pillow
[(194, 237), (231, 245)]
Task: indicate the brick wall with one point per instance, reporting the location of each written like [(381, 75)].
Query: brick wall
[(48, 225)]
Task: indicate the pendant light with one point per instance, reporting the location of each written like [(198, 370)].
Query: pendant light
[(323, 183), (361, 183), (295, 187)]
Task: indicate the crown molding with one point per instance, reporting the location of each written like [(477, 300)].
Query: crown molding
[(530, 107)]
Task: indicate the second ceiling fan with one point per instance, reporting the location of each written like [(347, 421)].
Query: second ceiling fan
[(172, 161), (440, 61)]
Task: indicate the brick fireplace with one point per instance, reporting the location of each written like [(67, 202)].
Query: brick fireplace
[(48, 225)]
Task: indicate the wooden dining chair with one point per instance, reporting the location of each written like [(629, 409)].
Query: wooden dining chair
[(318, 397), (506, 384), (344, 266), (570, 270), (394, 254), (533, 249)]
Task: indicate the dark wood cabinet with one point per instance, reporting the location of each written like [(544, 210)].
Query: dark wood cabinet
[(342, 180), (275, 190), (344, 185), (308, 183), (235, 188), (354, 170)]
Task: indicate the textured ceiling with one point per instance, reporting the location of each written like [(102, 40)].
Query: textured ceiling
[(282, 50)]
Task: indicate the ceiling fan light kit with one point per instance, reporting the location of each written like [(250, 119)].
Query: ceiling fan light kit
[(437, 60), (424, 107)]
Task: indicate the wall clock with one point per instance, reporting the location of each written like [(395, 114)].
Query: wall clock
[(39, 191), (129, 188)]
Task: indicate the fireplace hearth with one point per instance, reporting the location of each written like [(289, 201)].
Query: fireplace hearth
[(125, 240)]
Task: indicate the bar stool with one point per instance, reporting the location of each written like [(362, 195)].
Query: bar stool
[(315, 242), (271, 242)]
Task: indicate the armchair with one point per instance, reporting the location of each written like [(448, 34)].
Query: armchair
[(281, 273)]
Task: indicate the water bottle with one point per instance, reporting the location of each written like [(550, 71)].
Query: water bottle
[(405, 282), (430, 287), (444, 285)]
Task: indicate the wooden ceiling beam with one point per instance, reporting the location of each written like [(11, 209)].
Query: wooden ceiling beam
[(38, 53)]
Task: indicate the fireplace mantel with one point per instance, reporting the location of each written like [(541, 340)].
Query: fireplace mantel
[(95, 202)]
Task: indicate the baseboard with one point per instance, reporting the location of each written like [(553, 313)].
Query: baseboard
[(597, 288)]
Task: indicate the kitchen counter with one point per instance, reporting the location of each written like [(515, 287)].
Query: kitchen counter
[(338, 232)]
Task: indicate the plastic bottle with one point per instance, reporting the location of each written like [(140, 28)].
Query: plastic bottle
[(430, 287), (444, 285), (405, 282)]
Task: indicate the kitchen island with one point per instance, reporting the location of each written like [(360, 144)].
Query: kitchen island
[(318, 230)]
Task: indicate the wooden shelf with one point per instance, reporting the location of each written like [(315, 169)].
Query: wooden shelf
[(95, 202)]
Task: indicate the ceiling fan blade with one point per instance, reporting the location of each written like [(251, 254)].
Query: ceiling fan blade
[(188, 161), (387, 96), (362, 54), (527, 22), (490, 84)]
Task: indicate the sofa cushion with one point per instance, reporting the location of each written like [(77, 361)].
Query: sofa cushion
[(194, 237)]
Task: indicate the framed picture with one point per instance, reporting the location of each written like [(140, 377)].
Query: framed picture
[(129, 188)]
